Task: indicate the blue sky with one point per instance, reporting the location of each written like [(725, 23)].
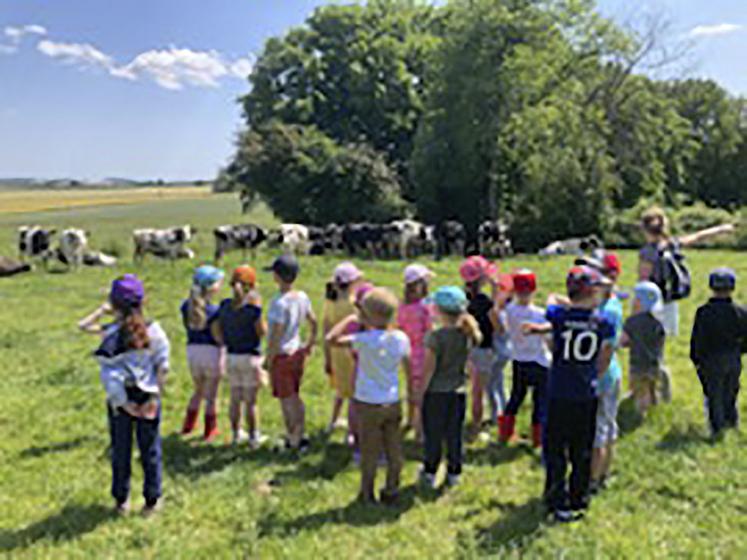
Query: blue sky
[(147, 88)]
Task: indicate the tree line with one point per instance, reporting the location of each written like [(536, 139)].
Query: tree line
[(538, 113)]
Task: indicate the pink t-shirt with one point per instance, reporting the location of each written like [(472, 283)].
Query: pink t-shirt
[(416, 320)]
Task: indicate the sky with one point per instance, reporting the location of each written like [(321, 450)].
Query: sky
[(147, 89)]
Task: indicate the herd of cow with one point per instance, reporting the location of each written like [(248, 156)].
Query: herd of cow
[(401, 239)]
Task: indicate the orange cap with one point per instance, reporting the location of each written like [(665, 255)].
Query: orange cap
[(244, 274)]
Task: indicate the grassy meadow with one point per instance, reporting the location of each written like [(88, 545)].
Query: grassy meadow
[(674, 494)]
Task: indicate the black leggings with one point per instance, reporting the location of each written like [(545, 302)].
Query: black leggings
[(526, 375), (443, 418)]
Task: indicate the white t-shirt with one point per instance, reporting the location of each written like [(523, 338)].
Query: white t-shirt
[(524, 348), (289, 310), (379, 356)]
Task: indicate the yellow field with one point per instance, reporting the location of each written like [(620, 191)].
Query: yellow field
[(20, 201)]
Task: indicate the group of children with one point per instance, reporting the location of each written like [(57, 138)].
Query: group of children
[(451, 342)]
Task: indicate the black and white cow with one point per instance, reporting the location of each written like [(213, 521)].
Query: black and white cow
[(367, 239), (492, 236), (573, 246), (292, 238), (451, 238), (34, 242), (11, 267), (245, 236), (165, 243), (333, 239), (97, 258), (72, 248), (406, 238)]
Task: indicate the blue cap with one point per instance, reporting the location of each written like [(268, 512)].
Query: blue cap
[(207, 275), (722, 279), (450, 299), (649, 295)]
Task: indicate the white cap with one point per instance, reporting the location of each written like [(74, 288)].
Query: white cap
[(417, 272)]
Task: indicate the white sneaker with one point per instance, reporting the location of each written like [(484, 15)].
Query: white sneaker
[(240, 436), (427, 480), (563, 516), (257, 440), (453, 480)]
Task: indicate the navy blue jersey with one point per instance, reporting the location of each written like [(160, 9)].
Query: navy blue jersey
[(204, 336), (578, 336), (239, 327)]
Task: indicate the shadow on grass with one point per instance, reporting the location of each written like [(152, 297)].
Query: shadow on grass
[(70, 523), (679, 439), (628, 417), (518, 524), (497, 454), (59, 447), (355, 514)]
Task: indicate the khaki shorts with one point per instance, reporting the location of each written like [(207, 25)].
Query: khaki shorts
[(206, 362), (245, 371), (481, 362)]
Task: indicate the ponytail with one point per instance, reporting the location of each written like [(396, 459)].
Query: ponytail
[(468, 325), (196, 309), (134, 329)]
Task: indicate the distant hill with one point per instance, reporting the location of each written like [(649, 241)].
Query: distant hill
[(20, 183)]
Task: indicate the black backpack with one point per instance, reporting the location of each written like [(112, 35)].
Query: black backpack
[(674, 277)]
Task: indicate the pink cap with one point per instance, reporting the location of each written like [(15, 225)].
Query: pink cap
[(347, 273), (362, 291), (475, 268), (417, 272)]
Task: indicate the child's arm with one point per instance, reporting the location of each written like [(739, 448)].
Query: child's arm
[(529, 329), (217, 332), (407, 367), (91, 323), (326, 328), (557, 299), (337, 338), (605, 357), (273, 342), (429, 368), (624, 340), (707, 233), (314, 331)]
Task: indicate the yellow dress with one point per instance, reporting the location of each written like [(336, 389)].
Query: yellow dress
[(342, 361)]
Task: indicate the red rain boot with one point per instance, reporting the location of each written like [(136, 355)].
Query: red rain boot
[(190, 420), (211, 427), (537, 435), (506, 426)]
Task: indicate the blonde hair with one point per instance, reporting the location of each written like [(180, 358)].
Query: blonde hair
[(655, 221), (197, 309), (379, 307)]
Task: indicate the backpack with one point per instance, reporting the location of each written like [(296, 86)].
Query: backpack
[(674, 277)]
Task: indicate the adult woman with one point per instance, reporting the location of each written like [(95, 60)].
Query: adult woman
[(134, 359), (651, 267)]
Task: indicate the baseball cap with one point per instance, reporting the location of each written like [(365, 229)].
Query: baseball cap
[(286, 267), (450, 299), (346, 273), (722, 279), (476, 267), (581, 278), (244, 274), (525, 281), (649, 295), (607, 263), (207, 275), (417, 272), (127, 291)]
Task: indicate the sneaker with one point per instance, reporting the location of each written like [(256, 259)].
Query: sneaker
[(151, 507), (563, 516), (304, 445), (257, 440), (389, 498), (453, 480), (427, 480), (122, 508), (239, 436)]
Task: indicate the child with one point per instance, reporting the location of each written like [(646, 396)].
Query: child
[(495, 388), (445, 402), (286, 353), (582, 349), (134, 359), (380, 349), (239, 326), (204, 355), (531, 359), (415, 320), (645, 335), (718, 337), (339, 363), (476, 272)]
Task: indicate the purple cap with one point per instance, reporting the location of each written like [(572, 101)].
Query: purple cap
[(127, 291)]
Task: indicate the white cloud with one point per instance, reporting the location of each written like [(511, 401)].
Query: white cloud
[(80, 54), (173, 68), (241, 68), (713, 30), (16, 34)]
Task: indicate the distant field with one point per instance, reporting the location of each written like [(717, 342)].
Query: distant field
[(33, 200)]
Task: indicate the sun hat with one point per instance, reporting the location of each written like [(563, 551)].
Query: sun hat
[(244, 274), (127, 291), (722, 279), (207, 275), (450, 299), (649, 295), (525, 281), (346, 273), (417, 272), (477, 267), (286, 267)]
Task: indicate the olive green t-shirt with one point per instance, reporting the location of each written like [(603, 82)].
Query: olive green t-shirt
[(451, 347)]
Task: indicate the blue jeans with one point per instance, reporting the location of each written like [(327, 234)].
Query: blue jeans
[(494, 389), (148, 437)]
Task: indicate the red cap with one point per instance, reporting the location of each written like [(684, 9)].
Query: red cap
[(612, 264), (525, 281)]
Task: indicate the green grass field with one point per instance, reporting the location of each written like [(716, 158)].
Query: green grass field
[(674, 494)]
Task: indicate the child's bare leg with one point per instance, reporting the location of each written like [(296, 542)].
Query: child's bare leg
[(417, 420), (234, 409), (336, 409), (477, 398), (353, 420), (252, 413), (210, 394)]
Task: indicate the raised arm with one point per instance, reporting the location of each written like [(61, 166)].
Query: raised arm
[(91, 323), (707, 233)]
